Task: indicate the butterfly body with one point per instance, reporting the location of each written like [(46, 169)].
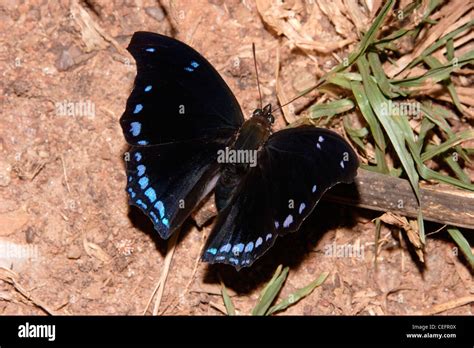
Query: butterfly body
[(188, 136), (251, 137)]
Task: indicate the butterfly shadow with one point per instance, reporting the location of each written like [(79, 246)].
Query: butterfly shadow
[(289, 250), (144, 224)]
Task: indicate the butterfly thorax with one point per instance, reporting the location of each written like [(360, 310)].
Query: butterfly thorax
[(242, 154)]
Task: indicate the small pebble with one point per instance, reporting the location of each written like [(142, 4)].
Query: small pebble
[(155, 12)]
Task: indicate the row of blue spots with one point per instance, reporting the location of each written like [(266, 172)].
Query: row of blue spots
[(193, 66), (320, 140), (238, 248), (135, 128)]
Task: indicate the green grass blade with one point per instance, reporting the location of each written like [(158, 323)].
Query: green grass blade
[(368, 114), (426, 126), (368, 38), (439, 43), (453, 141), (380, 76), (456, 168), (298, 295), (229, 305), (463, 244), (380, 106), (271, 291), (436, 74), (331, 108), (356, 135), (435, 63)]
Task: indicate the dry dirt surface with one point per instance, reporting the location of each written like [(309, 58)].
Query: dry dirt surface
[(63, 206)]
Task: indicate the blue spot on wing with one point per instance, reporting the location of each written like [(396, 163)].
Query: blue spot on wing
[(135, 128), (138, 108), (154, 217), (151, 194), (141, 204), (212, 251), (165, 222), (161, 208), (142, 142), (141, 169), (150, 49), (143, 182), (148, 88), (138, 156), (225, 248), (194, 64)]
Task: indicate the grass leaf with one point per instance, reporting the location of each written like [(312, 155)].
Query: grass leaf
[(463, 244), (229, 305), (298, 295), (271, 290)]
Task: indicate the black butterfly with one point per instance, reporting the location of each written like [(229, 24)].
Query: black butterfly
[(182, 121)]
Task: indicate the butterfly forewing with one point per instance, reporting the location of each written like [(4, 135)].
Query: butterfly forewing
[(295, 167), (177, 95)]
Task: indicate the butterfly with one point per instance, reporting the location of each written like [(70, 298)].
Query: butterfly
[(188, 135)]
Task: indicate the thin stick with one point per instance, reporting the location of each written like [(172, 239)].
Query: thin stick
[(458, 302), (448, 206), (256, 73), (166, 269)]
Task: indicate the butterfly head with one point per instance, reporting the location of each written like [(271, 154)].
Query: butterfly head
[(266, 113)]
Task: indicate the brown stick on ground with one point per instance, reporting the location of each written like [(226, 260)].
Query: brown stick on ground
[(386, 193)]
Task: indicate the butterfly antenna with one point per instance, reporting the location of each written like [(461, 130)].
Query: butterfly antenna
[(310, 89), (256, 72)]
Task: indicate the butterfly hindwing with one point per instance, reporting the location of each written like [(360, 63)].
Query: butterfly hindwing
[(294, 169), (167, 182), (177, 94)]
